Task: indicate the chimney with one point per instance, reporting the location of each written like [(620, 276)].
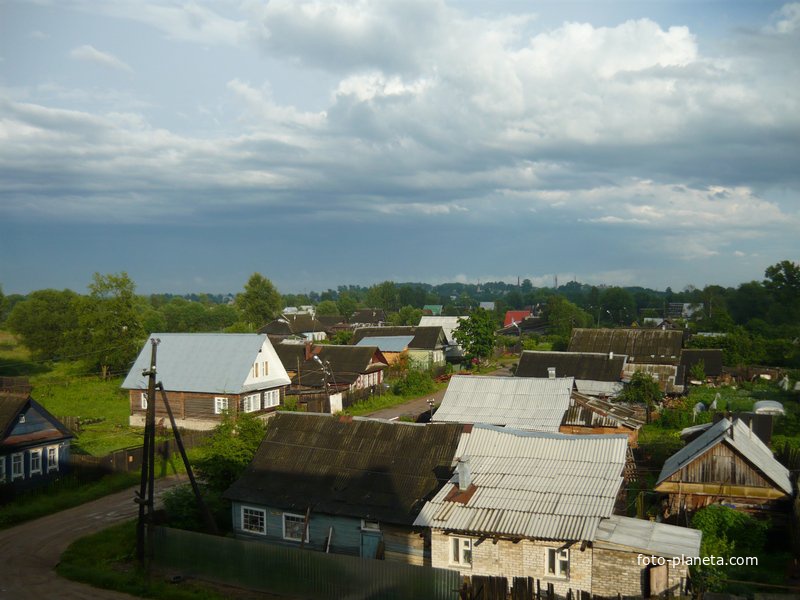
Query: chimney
[(610, 356), (551, 372), (309, 351), (464, 474)]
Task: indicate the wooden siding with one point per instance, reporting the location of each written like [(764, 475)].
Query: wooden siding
[(720, 465), (191, 405)]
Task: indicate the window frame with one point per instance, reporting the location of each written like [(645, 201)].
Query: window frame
[(251, 403), (554, 559), (17, 460), (269, 395), (457, 546), (37, 452), (52, 465), (302, 520), (370, 525), (263, 516), (218, 404)]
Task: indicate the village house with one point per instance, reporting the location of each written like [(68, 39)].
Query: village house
[(425, 349), (654, 351), (34, 445), (453, 352), (301, 326), (595, 374), (536, 404), (540, 505), (206, 375), (709, 358), (726, 464), (368, 317), (344, 485)]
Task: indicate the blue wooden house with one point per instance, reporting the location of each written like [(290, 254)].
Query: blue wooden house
[(34, 445), (344, 485)]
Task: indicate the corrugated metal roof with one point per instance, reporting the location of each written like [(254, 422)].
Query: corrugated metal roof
[(739, 437), (206, 362), (391, 343), (531, 403), (448, 325), (532, 484), (649, 537), (594, 412), (591, 387)]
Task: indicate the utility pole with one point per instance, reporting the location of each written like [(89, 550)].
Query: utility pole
[(144, 497)]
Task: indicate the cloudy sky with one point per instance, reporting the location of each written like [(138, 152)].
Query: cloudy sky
[(322, 143)]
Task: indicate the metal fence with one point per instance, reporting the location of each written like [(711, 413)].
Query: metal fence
[(306, 573)]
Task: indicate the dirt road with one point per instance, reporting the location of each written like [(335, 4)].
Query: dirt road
[(29, 552)]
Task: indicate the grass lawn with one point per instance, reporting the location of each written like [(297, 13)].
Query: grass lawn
[(106, 560)]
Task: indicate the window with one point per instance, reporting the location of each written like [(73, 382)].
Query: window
[(220, 404), (461, 551), (52, 458), (265, 370), (36, 460), (272, 398), (17, 471), (144, 400), (251, 403), (293, 526), (254, 520), (558, 562), (22, 418)]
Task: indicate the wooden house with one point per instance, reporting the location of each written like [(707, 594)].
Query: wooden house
[(595, 374), (296, 325), (368, 317), (350, 368), (206, 375), (34, 445), (425, 349), (344, 485), (726, 464)]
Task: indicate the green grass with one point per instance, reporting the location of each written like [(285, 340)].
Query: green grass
[(106, 560), (386, 400), (67, 492)]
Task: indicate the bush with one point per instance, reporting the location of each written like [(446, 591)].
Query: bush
[(414, 384), (183, 512)]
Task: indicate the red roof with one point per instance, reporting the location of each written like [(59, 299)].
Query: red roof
[(516, 315)]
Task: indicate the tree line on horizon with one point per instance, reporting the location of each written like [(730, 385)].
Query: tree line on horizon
[(106, 326)]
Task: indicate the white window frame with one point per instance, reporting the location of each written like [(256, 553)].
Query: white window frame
[(294, 517), (52, 459), (2, 469), (272, 398), (36, 452), (255, 370), (17, 466), (220, 404), (458, 545), (143, 400), (251, 403), (258, 513), (554, 563)]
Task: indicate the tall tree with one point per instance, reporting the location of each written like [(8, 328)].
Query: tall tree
[(783, 280), (45, 321), (327, 308), (562, 315), (260, 302), (475, 334), (383, 295), (111, 331)]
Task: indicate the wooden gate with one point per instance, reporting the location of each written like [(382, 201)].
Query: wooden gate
[(488, 588)]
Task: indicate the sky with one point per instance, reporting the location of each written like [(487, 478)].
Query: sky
[(190, 144)]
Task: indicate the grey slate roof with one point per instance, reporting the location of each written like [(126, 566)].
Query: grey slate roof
[(523, 402), (580, 365), (348, 466), (202, 362), (347, 363), (650, 346), (739, 437), (649, 537), (448, 325), (391, 343), (532, 485)]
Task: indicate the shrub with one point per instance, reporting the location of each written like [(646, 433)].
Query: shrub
[(415, 383)]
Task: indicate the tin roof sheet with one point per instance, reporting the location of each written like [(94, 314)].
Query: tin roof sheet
[(739, 437), (532, 484), (531, 403), (649, 537)]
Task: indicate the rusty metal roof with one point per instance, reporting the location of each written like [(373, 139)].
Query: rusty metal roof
[(536, 404), (357, 467), (532, 485), (594, 412)]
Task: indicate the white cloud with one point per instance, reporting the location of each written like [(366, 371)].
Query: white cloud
[(91, 54)]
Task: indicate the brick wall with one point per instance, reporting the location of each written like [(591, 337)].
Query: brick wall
[(617, 571)]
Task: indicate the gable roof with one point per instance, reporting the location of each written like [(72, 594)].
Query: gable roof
[(346, 362), (650, 346), (580, 365), (523, 402), (739, 438), (530, 484), (424, 338), (40, 425), (516, 316), (711, 357), (448, 325), (204, 362), (369, 315), (348, 466), (292, 323), (391, 343)]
